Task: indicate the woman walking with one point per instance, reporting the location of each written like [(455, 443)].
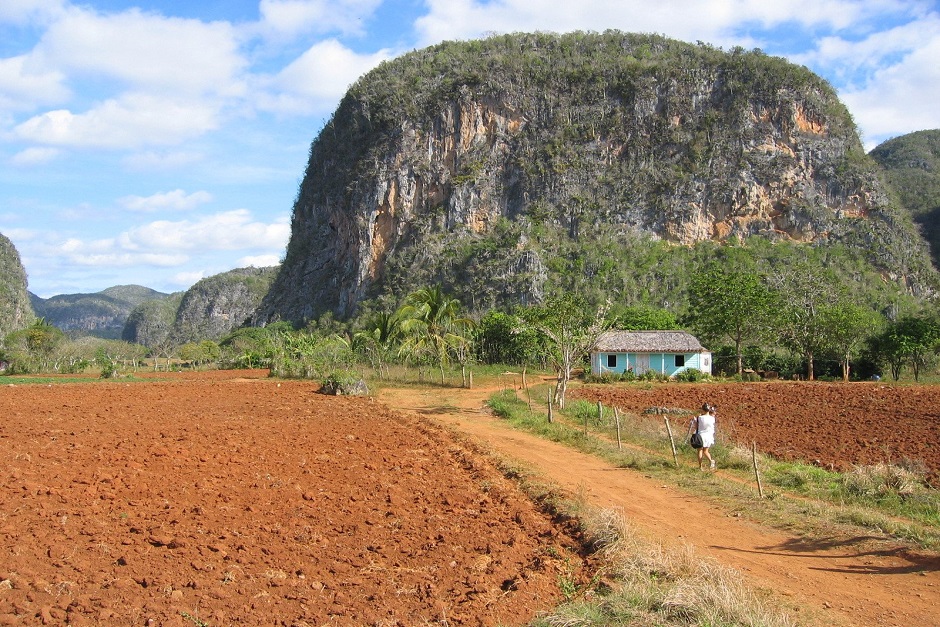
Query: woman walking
[(705, 425)]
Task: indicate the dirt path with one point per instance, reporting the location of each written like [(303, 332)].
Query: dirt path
[(858, 581)]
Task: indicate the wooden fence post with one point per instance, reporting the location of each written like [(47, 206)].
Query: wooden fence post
[(617, 419), (672, 441), (550, 417), (760, 487), (525, 386)]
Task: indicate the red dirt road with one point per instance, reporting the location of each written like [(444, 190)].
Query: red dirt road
[(220, 499), (852, 580)]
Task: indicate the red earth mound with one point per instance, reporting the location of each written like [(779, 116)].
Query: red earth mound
[(225, 498), (836, 425)]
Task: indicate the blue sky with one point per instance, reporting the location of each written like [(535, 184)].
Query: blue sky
[(160, 142)]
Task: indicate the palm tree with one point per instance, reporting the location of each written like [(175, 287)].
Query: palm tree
[(433, 325), (382, 331)]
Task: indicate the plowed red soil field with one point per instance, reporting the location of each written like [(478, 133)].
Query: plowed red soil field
[(227, 498), (836, 425)]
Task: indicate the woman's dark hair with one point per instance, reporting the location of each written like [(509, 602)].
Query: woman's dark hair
[(706, 407)]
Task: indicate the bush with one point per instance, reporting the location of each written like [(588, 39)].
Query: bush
[(580, 411), (611, 377), (652, 375), (691, 375), (108, 369)]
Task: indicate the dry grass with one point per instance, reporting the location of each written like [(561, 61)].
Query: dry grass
[(657, 584), (880, 479)]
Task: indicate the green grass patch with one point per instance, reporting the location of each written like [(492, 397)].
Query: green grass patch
[(41, 380)]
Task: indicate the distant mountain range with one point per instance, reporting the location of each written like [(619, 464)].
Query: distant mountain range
[(208, 310), (101, 314)]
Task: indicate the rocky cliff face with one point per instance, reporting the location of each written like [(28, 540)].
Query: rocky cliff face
[(218, 304), (507, 139), (15, 310), (208, 310)]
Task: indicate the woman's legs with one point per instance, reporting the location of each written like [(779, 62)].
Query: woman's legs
[(707, 454)]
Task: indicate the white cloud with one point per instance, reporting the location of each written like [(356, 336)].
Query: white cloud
[(25, 11), (144, 79), (317, 79), (35, 156), (147, 51), (65, 263), (876, 50), (177, 200), (52, 253), (259, 261), (719, 22), (23, 87), (187, 279), (231, 230), (900, 98), (116, 259), (290, 18), (132, 120), (149, 161)]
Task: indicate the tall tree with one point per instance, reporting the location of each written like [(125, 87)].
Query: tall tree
[(32, 349), (848, 325), (730, 304), (916, 338), (644, 318), (434, 326), (804, 291), (572, 328)]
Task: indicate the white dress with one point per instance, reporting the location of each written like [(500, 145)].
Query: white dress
[(706, 429)]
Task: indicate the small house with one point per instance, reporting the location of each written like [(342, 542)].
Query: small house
[(664, 352)]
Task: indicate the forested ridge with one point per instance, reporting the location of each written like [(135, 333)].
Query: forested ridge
[(912, 168), (101, 314)]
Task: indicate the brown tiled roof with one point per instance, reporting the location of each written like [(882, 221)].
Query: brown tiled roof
[(648, 342)]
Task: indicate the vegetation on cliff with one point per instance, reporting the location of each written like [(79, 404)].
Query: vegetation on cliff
[(15, 310), (208, 310)]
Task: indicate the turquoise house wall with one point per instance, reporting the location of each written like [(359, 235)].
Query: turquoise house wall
[(663, 363)]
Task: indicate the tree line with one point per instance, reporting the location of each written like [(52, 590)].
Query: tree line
[(753, 315)]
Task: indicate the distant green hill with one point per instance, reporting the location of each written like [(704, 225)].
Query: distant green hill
[(912, 167), (101, 314)]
